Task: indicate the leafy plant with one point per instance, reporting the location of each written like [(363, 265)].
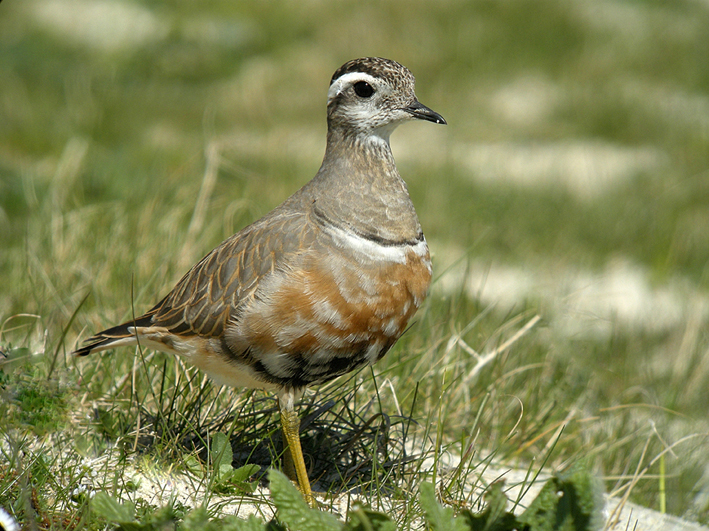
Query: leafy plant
[(565, 503), (227, 479)]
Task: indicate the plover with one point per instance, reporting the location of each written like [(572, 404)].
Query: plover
[(322, 285)]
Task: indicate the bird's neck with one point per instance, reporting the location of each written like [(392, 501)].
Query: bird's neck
[(366, 154), (358, 186)]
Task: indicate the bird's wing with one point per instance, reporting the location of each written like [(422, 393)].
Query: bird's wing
[(217, 287)]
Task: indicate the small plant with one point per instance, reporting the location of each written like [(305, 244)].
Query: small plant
[(565, 503), (227, 479), (34, 401)]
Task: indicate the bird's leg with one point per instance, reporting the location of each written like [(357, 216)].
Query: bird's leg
[(288, 464), (293, 460)]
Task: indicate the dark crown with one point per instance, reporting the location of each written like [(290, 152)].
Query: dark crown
[(376, 67)]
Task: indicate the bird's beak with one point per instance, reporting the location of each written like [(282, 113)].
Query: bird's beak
[(420, 111)]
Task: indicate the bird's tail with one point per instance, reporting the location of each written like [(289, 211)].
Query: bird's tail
[(117, 336)]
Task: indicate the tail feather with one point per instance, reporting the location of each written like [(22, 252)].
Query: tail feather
[(116, 336)]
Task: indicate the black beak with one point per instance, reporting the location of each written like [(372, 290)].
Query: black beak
[(420, 111)]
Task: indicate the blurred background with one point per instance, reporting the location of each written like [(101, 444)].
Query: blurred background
[(572, 180)]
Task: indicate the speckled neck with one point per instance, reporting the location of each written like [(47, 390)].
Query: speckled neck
[(359, 188)]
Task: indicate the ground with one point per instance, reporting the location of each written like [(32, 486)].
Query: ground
[(570, 184)]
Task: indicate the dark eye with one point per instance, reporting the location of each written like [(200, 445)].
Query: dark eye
[(363, 89)]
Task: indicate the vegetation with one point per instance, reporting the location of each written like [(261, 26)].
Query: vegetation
[(561, 506), (565, 205)]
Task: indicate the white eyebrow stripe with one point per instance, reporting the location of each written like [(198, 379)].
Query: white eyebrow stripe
[(348, 79)]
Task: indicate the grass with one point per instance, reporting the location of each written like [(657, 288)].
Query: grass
[(105, 147)]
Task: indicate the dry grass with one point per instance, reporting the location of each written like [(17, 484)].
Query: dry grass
[(573, 146)]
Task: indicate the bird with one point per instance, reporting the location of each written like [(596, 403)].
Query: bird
[(322, 285)]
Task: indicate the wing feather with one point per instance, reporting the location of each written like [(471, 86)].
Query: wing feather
[(211, 293)]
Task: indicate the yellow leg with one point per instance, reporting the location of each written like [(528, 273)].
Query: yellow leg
[(288, 464), (290, 424)]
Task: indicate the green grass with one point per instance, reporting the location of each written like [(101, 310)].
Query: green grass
[(103, 153)]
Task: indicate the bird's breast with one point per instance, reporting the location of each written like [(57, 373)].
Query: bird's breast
[(340, 306)]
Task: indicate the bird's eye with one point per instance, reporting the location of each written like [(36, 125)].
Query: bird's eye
[(363, 89)]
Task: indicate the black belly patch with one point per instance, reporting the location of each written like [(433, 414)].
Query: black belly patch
[(303, 374)]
